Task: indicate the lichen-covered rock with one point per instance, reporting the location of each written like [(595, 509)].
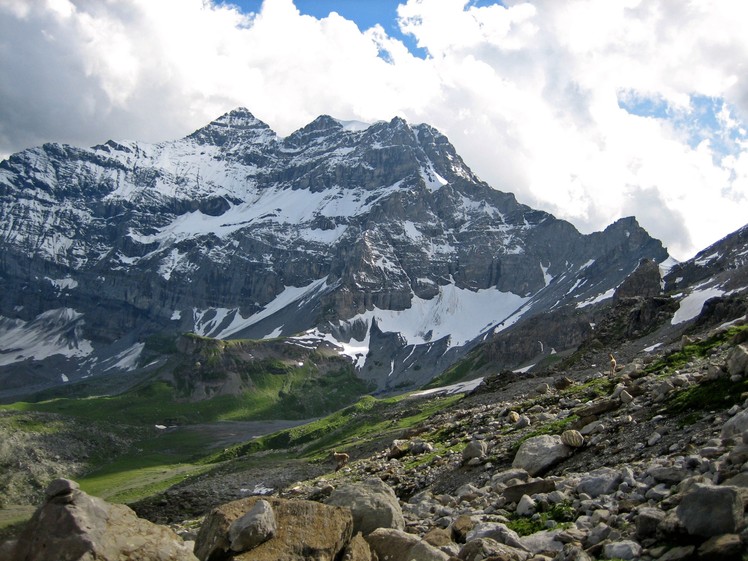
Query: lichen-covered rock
[(358, 550), (306, 530), (73, 525), (483, 548), (395, 545)]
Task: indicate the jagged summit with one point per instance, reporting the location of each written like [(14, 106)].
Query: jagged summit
[(238, 126)]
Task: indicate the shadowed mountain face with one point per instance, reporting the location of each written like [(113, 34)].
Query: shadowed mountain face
[(376, 238)]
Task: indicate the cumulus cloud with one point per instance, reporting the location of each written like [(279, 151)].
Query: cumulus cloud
[(592, 110)]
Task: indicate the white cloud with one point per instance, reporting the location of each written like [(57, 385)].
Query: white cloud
[(528, 93)]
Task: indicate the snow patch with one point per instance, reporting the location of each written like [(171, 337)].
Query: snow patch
[(357, 350), (54, 332), (433, 180), (213, 321), (462, 387), (457, 313), (175, 261), (354, 126), (691, 305), (274, 333), (702, 261), (127, 359), (354, 349), (275, 206), (176, 315), (595, 299), (63, 284), (667, 265), (548, 278)]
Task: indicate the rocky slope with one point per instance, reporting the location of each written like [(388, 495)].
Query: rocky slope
[(645, 461), (377, 238)]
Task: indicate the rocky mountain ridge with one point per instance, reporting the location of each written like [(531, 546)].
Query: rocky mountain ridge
[(377, 238)]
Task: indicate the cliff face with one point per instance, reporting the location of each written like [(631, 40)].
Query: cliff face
[(378, 238)]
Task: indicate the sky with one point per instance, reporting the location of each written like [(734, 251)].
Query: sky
[(589, 109)]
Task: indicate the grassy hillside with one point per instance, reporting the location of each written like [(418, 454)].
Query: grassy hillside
[(202, 381)]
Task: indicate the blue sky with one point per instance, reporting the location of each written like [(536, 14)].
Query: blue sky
[(591, 110), (365, 13)]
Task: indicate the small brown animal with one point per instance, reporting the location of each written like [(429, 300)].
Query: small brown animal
[(341, 459), (612, 365)]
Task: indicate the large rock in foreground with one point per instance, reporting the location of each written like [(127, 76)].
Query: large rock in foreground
[(72, 525), (306, 530)]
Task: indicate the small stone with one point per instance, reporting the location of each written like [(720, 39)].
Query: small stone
[(438, 537), (526, 506), (658, 492), (654, 439), (398, 449), (592, 428), (513, 493), (60, 487), (626, 549), (602, 481), (647, 521), (483, 548), (563, 382), (496, 531), (542, 389), (474, 449), (678, 553), (598, 534), (461, 527), (572, 438), (737, 361), (626, 397)]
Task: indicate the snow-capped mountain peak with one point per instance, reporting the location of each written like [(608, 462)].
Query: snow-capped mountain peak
[(378, 237)]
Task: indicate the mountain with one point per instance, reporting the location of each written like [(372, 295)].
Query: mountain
[(375, 238)]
